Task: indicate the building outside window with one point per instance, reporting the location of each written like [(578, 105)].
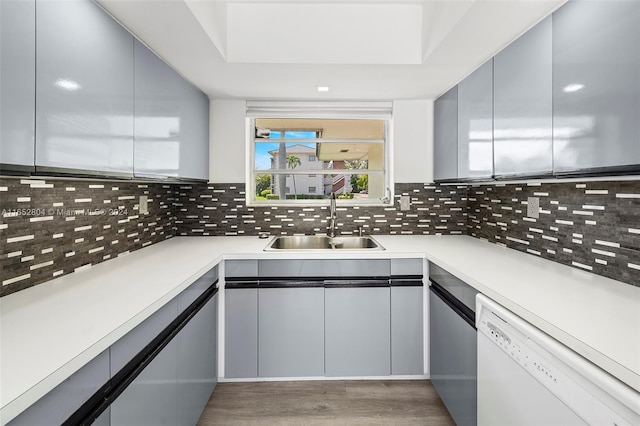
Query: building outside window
[(304, 160)]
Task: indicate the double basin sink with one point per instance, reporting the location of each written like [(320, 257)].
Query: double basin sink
[(323, 242)]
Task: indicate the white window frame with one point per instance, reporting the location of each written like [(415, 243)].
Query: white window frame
[(293, 112)]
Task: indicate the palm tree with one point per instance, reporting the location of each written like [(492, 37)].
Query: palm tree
[(292, 163)]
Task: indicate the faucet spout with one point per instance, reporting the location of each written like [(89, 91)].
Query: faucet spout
[(333, 216)]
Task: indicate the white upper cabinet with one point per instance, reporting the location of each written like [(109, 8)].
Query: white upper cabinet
[(475, 124), (596, 85), (84, 97), (522, 127), (17, 83)]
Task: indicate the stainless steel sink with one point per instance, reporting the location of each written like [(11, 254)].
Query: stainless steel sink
[(322, 242)]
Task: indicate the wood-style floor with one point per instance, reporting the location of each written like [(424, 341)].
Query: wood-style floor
[(367, 402)]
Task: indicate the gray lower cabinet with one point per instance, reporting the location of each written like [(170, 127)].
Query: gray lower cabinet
[(291, 331), (522, 127), (596, 85), (104, 419), (453, 361), (407, 333), (197, 372), (241, 332), (84, 96), (151, 398), (357, 331), (17, 84), (445, 136), (475, 123), (56, 406)]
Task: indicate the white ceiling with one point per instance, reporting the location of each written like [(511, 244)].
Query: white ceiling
[(361, 49)]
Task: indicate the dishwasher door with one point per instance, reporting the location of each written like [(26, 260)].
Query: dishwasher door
[(525, 377), (453, 355)]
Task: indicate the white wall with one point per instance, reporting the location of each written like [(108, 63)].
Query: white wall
[(412, 139), (227, 141)]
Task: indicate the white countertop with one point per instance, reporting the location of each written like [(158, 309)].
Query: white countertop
[(51, 330)]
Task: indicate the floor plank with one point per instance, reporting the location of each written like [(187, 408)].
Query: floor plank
[(367, 402)]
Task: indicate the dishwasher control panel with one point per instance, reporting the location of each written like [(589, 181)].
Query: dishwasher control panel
[(515, 338)]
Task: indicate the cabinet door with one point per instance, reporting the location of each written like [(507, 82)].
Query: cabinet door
[(596, 85), (194, 143), (522, 127), (84, 101), (475, 123), (453, 368), (197, 363), (17, 83), (56, 406), (357, 332), (241, 332), (407, 337), (127, 347), (159, 125), (445, 135), (151, 398), (323, 268), (291, 339)]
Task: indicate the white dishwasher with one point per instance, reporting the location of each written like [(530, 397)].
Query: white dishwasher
[(525, 377)]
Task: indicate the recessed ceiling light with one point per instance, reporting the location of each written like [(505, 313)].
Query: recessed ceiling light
[(574, 87), (323, 88), (69, 85)]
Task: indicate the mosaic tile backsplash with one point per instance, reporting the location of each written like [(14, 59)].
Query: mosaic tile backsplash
[(594, 226), (50, 228), (220, 209)]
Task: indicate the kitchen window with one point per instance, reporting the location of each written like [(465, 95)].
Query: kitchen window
[(296, 158)]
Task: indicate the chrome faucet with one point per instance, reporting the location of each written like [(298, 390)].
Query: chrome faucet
[(333, 216)]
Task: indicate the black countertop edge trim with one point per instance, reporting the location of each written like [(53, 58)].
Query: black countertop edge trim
[(406, 282), (16, 169), (109, 392), (353, 283), (323, 278), (291, 284), (457, 306), (407, 277), (241, 284)]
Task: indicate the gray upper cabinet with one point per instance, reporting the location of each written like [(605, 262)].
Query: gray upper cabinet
[(194, 134), (158, 125), (596, 85), (17, 83), (446, 136), (522, 126), (84, 97), (171, 121), (475, 123)]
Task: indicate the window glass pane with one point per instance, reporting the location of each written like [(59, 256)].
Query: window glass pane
[(304, 187), (348, 159), (319, 156)]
